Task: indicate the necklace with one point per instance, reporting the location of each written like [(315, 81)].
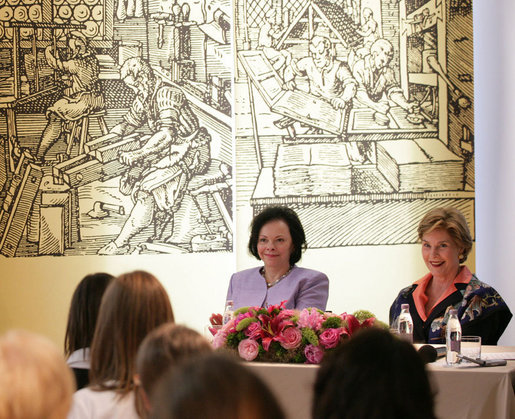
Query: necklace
[(271, 284)]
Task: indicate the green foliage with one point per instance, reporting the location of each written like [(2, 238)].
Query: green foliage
[(332, 322), (243, 324), (362, 315), (233, 339), (299, 357), (241, 310), (309, 336)]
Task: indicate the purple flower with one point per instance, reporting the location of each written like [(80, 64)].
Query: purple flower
[(290, 338), (248, 349), (329, 338), (313, 354)]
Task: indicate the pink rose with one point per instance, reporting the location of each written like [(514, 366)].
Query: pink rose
[(248, 349), (290, 338), (253, 330), (329, 338), (286, 314), (313, 354), (219, 339)]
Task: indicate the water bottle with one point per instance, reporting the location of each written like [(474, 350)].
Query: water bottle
[(453, 338), (228, 312), (405, 326)]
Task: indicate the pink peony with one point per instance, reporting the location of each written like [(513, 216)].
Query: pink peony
[(290, 338), (253, 330), (310, 317), (329, 338), (219, 339), (313, 354), (248, 349)]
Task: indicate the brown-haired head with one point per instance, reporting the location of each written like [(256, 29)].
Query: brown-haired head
[(216, 386), (134, 304), (83, 314), (452, 221), (162, 349), (287, 215)]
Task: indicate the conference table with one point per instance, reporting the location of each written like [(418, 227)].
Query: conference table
[(461, 392)]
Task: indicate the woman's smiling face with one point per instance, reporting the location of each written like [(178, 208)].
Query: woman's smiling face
[(275, 244), (441, 254)]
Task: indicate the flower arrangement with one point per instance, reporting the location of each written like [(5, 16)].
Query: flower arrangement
[(276, 334)]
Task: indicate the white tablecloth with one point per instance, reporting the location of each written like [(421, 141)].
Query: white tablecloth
[(472, 393)]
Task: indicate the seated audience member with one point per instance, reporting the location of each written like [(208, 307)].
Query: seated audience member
[(82, 319), (163, 348), (213, 386), (375, 375), (277, 238), (133, 305), (35, 382), (446, 243)]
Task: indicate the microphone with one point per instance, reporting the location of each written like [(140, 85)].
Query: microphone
[(430, 354)]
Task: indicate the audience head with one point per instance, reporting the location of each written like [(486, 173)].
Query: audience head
[(83, 313), (453, 222), (375, 375), (163, 348), (287, 215), (35, 382), (134, 304), (213, 386)]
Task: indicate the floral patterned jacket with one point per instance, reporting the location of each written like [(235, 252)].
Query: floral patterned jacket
[(481, 310)]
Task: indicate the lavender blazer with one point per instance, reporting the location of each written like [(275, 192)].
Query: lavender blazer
[(301, 288)]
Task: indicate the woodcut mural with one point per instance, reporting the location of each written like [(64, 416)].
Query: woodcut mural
[(356, 113), (122, 121), (116, 129)]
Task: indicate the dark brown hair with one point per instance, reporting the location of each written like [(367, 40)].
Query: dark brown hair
[(287, 215), (133, 305), (452, 221), (214, 386), (83, 313), (163, 348), (375, 375)]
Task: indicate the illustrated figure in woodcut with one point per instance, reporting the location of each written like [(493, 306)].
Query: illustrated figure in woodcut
[(269, 34), (369, 29), (377, 87), (82, 94), (160, 170), (328, 77)]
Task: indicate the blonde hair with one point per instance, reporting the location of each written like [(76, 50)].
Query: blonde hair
[(35, 381), (452, 221)]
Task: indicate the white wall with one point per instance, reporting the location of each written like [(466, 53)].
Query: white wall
[(494, 32)]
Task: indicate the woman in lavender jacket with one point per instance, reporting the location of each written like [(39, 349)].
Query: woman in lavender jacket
[(277, 238)]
